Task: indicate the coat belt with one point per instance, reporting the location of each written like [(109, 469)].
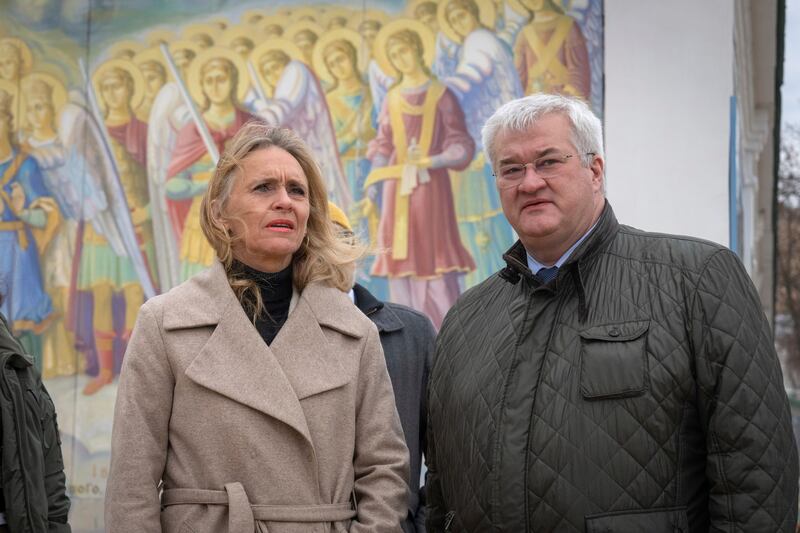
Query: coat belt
[(242, 514)]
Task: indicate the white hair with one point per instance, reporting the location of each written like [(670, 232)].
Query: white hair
[(521, 115)]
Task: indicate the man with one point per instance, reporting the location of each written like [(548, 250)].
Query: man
[(607, 379), (407, 337)]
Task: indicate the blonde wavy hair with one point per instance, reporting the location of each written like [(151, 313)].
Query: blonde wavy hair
[(323, 257)]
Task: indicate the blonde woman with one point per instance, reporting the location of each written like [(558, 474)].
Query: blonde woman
[(255, 394)]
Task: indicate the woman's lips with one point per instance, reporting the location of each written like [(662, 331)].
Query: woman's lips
[(280, 225)]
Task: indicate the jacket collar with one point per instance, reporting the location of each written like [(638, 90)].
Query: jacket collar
[(604, 231), (383, 316), (237, 363)]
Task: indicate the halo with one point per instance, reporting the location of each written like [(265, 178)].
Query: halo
[(517, 6), (412, 6), (332, 12), (339, 34), (215, 52), (201, 29), (116, 50), (252, 16), (153, 55), (183, 44), (272, 20), (128, 66), (369, 14), (297, 27), (220, 22), (59, 93), (279, 43), (311, 14), (425, 33), (24, 53), (486, 13), (236, 32), (158, 36)]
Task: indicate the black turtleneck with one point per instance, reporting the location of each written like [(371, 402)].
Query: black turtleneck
[(276, 294)]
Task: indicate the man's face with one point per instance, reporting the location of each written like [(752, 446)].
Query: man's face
[(548, 213), (217, 85), (115, 92)]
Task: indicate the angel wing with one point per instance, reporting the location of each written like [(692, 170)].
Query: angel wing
[(299, 104), (89, 173), (483, 79), (167, 116), (589, 15)]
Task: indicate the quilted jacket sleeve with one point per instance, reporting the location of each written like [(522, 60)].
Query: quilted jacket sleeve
[(752, 465)]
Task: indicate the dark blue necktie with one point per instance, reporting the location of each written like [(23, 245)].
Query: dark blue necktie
[(546, 274)]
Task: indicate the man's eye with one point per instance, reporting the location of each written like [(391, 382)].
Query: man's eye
[(512, 171), (546, 163)]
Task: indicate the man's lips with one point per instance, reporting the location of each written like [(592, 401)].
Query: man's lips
[(535, 203), (280, 224)]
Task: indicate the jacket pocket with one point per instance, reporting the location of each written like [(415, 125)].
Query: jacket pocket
[(614, 360), (666, 520)]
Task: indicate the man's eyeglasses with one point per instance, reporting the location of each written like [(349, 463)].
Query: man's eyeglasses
[(546, 167)]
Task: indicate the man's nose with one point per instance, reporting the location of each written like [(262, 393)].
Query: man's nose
[(531, 180)]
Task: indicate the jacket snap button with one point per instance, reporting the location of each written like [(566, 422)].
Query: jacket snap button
[(613, 332)]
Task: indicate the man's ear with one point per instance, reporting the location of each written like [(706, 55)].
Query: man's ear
[(598, 166)]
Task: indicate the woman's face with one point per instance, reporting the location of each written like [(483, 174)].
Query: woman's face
[(340, 64), (9, 63), (154, 80), (217, 84), (271, 70), (267, 211)]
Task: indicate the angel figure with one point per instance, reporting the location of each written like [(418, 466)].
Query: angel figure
[(305, 34), (293, 98), (483, 79), (28, 217), (151, 64), (422, 135), (217, 81), (15, 59), (550, 52), (103, 272)]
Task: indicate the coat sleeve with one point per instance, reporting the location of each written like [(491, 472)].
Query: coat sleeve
[(435, 506), (55, 482), (752, 464), (380, 460), (139, 436)]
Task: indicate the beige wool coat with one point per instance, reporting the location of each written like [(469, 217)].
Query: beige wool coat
[(300, 436)]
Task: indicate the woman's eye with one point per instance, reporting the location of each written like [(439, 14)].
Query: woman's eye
[(299, 191)]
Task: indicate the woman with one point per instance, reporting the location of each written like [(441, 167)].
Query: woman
[(33, 498), (256, 391), (421, 136)]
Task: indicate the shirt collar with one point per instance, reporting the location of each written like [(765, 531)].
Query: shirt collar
[(536, 266)]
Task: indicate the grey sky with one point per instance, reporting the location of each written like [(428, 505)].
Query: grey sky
[(791, 65)]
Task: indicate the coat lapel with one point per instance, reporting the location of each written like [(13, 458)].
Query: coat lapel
[(236, 363)]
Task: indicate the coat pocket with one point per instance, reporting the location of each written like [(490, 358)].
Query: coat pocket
[(614, 360), (666, 520)]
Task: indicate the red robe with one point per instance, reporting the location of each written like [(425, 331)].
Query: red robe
[(190, 148), (434, 243)]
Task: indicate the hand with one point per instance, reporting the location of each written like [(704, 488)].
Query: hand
[(17, 198), (416, 157)]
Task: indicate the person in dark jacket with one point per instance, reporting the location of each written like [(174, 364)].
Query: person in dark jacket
[(608, 379), (407, 338), (33, 497)]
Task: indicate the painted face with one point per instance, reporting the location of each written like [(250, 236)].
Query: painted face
[(305, 41), (154, 80), (272, 69), (242, 46), (115, 92), (9, 63), (462, 21), (183, 58), (272, 30), (268, 209), (369, 30), (202, 40), (426, 13), (546, 213), (39, 112), (217, 84), (403, 57), (340, 65)]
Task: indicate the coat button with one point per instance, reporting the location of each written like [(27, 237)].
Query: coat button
[(614, 332)]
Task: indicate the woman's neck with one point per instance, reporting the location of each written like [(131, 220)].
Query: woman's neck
[(45, 133), (351, 84), (220, 115), (415, 79), (118, 117)]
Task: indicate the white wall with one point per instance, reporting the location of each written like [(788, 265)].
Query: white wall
[(668, 82)]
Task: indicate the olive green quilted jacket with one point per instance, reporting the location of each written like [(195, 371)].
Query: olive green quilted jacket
[(639, 391)]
